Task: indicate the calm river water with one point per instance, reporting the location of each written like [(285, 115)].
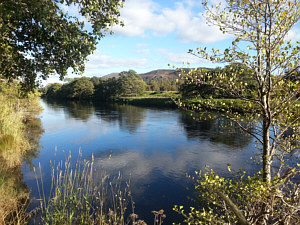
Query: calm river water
[(153, 148)]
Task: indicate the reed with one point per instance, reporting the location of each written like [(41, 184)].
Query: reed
[(15, 141), (79, 195)]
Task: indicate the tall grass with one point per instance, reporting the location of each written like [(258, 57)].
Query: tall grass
[(12, 140), (81, 195), (15, 112), (78, 195), (14, 196)]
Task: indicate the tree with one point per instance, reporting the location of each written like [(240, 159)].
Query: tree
[(131, 83), (38, 38), (203, 90), (154, 85), (52, 90), (81, 88), (263, 25), (107, 89), (95, 80), (192, 90)]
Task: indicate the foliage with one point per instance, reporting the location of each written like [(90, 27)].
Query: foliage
[(246, 196), (220, 105), (128, 84), (107, 89), (20, 131), (274, 95), (162, 85), (53, 90), (82, 88), (38, 38), (131, 83), (15, 114), (190, 89), (269, 89)]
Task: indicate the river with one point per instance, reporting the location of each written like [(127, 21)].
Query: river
[(154, 148)]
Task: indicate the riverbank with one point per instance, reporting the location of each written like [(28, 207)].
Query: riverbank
[(218, 105), (152, 99), (173, 99), (19, 139)]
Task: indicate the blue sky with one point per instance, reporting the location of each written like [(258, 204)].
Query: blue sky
[(157, 33)]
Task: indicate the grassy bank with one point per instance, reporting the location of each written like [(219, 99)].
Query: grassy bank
[(17, 118), (153, 102), (152, 99), (218, 105), (170, 99)]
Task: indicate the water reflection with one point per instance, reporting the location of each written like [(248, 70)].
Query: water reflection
[(14, 192), (34, 131), (74, 109), (129, 117), (153, 148), (217, 129)]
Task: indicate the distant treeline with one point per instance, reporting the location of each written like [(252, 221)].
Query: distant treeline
[(236, 75), (192, 89), (105, 89), (129, 83)]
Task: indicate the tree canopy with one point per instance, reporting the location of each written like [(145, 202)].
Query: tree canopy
[(260, 43), (131, 83), (38, 38), (97, 88), (263, 25)]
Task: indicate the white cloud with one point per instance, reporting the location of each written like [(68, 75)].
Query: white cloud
[(104, 62), (143, 51), (294, 35), (142, 48), (193, 3), (191, 28), (141, 16), (179, 58), (141, 45), (161, 50)]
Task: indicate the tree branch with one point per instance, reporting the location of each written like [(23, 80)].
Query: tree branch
[(238, 213)]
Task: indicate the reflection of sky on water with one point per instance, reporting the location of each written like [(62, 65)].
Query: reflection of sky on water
[(152, 148)]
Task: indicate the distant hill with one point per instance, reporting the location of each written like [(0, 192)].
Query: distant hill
[(111, 75), (161, 74), (154, 75)]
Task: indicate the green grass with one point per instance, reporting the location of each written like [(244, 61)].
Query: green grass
[(167, 99), (221, 105), (152, 99)]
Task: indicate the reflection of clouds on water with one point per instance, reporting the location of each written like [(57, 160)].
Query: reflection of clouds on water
[(94, 129), (141, 167)]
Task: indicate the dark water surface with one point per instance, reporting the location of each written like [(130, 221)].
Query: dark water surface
[(153, 148)]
